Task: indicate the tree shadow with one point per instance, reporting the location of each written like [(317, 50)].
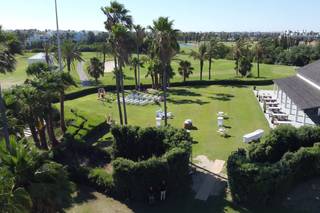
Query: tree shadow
[(188, 101), (222, 97), (183, 92)]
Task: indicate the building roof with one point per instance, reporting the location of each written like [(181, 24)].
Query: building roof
[(38, 56), (311, 72), (303, 94)]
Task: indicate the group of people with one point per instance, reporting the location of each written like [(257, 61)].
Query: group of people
[(152, 193)]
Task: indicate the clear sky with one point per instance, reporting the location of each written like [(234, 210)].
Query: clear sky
[(189, 15)]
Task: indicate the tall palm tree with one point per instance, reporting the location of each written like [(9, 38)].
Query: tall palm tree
[(7, 64), (211, 52), (47, 48), (105, 49), (201, 56), (166, 46), (140, 35), (185, 69), (118, 15), (136, 64), (259, 51), (238, 52), (70, 53), (95, 68)]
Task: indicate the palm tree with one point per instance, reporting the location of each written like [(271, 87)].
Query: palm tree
[(7, 64), (105, 49), (211, 52), (238, 52), (46, 48), (117, 15), (259, 53), (136, 64), (140, 34), (165, 45), (70, 53), (201, 56), (185, 69), (95, 68)]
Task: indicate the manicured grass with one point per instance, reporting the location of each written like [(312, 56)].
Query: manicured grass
[(19, 75), (200, 104)]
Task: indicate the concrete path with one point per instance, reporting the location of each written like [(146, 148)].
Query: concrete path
[(205, 182), (82, 75)]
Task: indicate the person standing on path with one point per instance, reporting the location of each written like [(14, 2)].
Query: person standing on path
[(163, 190)]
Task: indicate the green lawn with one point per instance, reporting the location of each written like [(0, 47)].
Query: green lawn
[(19, 75), (200, 104)]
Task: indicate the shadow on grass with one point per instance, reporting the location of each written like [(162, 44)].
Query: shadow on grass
[(222, 97), (188, 101), (183, 92)]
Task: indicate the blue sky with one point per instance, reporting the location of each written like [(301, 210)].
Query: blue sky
[(189, 15)]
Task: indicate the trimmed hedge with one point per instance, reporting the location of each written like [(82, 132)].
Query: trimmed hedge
[(261, 182), (101, 180), (146, 157)]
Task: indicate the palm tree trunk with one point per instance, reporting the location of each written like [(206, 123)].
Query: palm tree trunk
[(42, 135), (34, 134), (135, 77), (123, 97), (50, 127), (69, 65), (156, 81), (118, 90), (258, 67), (104, 60), (210, 61), (152, 80), (165, 96), (62, 120), (201, 69), (184, 76), (4, 121), (138, 56)]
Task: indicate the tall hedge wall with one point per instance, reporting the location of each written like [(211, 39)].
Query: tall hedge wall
[(146, 157), (287, 157)]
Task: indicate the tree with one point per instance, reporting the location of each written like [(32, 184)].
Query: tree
[(244, 66), (9, 46), (259, 50), (47, 49), (44, 181), (201, 56), (70, 53), (136, 64), (241, 52), (117, 20), (211, 53), (95, 68), (105, 49), (185, 69), (165, 45), (37, 69), (140, 35)]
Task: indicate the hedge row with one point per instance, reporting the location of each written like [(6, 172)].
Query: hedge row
[(146, 157), (259, 183), (133, 179), (281, 140), (92, 90)]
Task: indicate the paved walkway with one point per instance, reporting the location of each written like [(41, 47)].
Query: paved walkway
[(82, 75), (207, 181)]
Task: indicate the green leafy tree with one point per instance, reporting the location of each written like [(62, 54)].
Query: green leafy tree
[(9, 46), (245, 66), (259, 51), (165, 46), (185, 69), (37, 69), (211, 53), (70, 53), (201, 56), (95, 68)]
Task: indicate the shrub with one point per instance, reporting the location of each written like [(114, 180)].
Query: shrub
[(271, 168), (146, 157)]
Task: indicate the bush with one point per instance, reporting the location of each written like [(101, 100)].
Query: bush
[(146, 157), (281, 140), (271, 168)]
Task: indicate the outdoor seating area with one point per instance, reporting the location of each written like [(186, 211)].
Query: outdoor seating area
[(142, 99), (272, 109)]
